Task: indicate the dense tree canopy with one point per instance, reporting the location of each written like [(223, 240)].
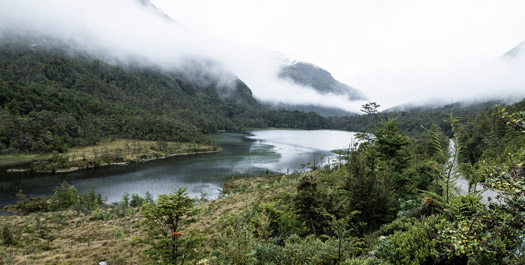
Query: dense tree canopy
[(51, 100)]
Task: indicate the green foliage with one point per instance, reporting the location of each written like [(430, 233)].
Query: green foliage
[(136, 201), (99, 215), (164, 225), (413, 245), (236, 241), (148, 198), (53, 99), (401, 224), (368, 194), (413, 120), (118, 234), (124, 203), (32, 205), (310, 203), (6, 234), (21, 196), (444, 228), (89, 201), (64, 196)]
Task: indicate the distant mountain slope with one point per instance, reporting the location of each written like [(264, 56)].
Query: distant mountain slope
[(306, 74), (412, 118), (52, 98), (516, 51), (323, 111), (154, 8)]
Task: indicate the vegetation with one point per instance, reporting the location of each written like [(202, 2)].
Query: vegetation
[(413, 120), (107, 153), (392, 201), (53, 98), (386, 205), (163, 224)]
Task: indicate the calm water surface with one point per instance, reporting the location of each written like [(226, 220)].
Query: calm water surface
[(250, 153)]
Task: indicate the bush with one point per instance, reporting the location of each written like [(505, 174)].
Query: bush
[(32, 205), (99, 215), (164, 225), (7, 235), (365, 261), (401, 224), (412, 246), (64, 196)]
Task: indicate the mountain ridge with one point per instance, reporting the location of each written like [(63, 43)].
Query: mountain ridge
[(53, 98), (516, 51), (310, 75)]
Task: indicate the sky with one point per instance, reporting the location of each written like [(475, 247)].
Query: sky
[(395, 51)]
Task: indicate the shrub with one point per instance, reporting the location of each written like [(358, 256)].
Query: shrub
[(163, 225), (7, 235), (99, 215), (412, 246), (64, 196)]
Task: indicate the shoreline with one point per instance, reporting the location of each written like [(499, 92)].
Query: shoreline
[(122, 163), (71, 161)]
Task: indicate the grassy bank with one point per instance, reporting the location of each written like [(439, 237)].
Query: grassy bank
[(105, 153), (68, 237), (15, 160)]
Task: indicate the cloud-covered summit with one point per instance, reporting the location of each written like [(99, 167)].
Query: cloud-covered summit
[(136, 32), (518, 51)]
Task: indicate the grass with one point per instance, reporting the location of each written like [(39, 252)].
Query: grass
[(67, 238), (106, 153), (134, 150), (14, 160)]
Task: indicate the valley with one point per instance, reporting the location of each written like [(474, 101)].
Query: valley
[(214, 133)]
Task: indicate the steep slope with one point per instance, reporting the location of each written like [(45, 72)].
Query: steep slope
[(306, 74), (323, 111), (414, 118), (516, 51), (53, 98), (311, 76), (153, 8)]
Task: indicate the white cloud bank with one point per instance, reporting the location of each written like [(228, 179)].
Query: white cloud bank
[(128, 31), (394, 51)]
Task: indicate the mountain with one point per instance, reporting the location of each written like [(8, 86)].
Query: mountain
[(152, 7), (53, 97), (467, 103), (309, 75), (414, 119), (516, 51), (321, 110), (314, 77)]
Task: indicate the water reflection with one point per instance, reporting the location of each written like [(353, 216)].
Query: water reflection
[(251, 153)]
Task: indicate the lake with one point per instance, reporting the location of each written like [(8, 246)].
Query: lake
[(250, 153)]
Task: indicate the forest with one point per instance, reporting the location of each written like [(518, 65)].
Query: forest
[(391, 200), (51, 100)]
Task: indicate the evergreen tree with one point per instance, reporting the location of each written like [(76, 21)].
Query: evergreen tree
[(164, 225)]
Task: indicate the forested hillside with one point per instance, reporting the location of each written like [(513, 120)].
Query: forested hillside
[(393, 201), (53, 98), (415, 120)]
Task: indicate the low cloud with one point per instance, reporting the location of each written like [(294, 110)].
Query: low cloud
[(128, 32), (412, 70), (483, 79)]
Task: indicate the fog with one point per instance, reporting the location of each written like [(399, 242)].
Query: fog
[(129, 32), (394, 51)]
